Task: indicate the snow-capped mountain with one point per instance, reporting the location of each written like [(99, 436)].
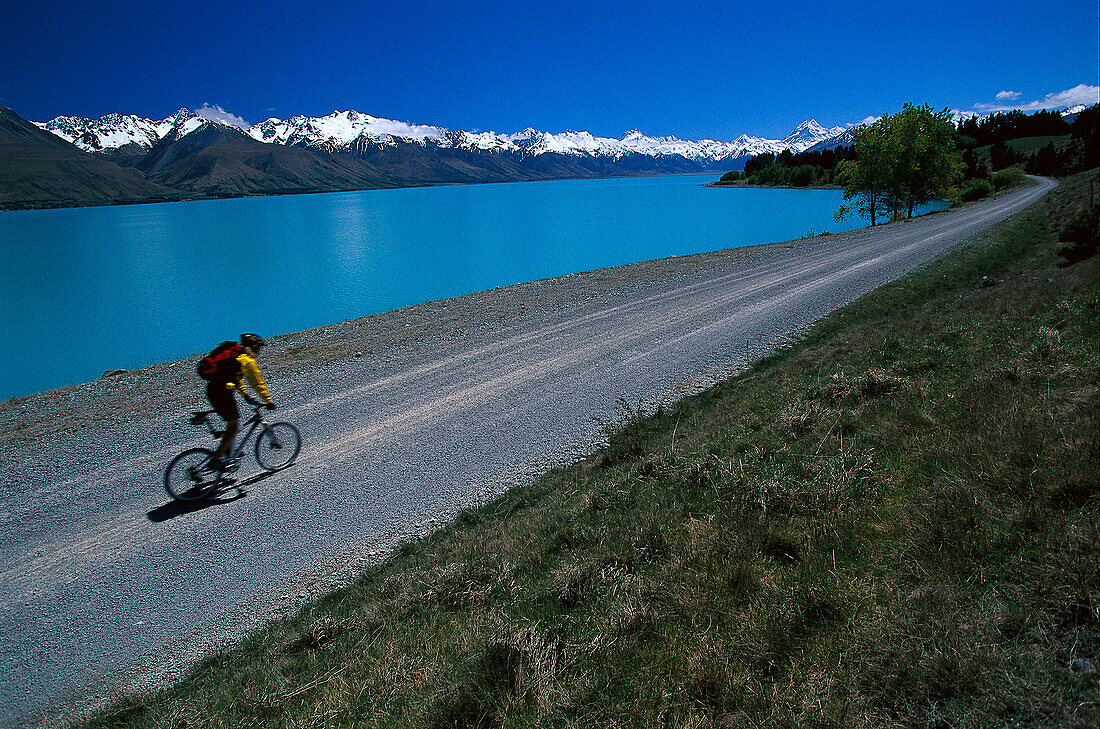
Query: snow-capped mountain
[(342, 130), (809, 133), (845, 138), (121, 131), (111, 131), (353, 131)]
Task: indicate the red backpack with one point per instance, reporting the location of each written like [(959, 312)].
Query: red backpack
[(221, 365)]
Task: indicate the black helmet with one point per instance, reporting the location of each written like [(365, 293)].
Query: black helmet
[(253, 341)]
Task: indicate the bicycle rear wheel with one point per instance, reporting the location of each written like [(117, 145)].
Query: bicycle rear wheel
[(188, 476), (277, 446)]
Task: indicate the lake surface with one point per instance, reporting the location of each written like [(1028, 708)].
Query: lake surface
[(84, 290)]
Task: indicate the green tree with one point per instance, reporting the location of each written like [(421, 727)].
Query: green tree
[(927, 163), (866, 179), (1085, 130), (901, 161)]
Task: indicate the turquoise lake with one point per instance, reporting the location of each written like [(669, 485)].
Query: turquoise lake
[(84, 290)]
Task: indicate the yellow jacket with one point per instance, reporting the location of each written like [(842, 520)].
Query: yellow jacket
[(251, 371)]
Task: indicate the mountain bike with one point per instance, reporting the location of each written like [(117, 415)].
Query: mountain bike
[(191, 476)]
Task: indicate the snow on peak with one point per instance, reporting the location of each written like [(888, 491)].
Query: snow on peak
[(810, 125), (114, 131), (807, 134), (351, 129), (342, 128)]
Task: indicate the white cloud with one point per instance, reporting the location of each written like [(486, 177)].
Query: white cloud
[(1080, 94), (220, 115)]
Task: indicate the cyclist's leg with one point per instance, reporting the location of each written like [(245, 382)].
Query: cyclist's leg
[(231, 427), (222, 400)]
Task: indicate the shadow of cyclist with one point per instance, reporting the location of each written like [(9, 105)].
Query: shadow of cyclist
[(178, 508)]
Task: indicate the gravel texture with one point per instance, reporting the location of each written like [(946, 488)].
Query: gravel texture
[(407, 417)]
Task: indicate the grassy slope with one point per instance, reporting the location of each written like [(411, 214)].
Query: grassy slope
[(1027, 145), (892, 523)]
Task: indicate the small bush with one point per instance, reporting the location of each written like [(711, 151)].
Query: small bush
[(627, 436), (1081, 236), (976, 190), (1009, 177)]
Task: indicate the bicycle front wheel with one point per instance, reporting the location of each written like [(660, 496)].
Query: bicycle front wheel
[(189, 476), (277, 446)]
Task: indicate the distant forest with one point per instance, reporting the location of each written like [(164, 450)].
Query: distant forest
[(799, 170), (1043, 143)]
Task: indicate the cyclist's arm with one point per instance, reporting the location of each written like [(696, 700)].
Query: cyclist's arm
[(251, 370)]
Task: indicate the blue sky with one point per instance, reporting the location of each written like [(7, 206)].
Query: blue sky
[(693, 70)]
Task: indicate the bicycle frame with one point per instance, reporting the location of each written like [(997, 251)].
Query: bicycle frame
[(237, 450)]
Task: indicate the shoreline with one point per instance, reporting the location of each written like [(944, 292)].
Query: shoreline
[(207, 197), (745, 183), (379, 318), (387, 338), (639, 269), (291, 339)]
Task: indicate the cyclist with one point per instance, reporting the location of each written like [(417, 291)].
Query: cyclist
[(220, 391)]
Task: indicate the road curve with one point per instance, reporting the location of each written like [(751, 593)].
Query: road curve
[(407, 417)]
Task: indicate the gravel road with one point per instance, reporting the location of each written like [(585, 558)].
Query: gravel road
[(407, 417)]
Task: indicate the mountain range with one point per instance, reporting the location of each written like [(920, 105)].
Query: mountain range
[(188, 156), (121, 136)]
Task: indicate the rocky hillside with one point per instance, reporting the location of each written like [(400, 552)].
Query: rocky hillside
[(39, 169)]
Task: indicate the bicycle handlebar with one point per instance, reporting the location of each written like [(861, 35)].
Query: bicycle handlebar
[(200, 417)]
